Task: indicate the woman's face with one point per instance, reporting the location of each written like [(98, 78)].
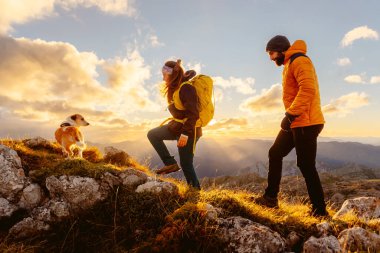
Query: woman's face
[(166, 77)]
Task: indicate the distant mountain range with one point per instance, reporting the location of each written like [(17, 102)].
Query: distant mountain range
[(238, 156)]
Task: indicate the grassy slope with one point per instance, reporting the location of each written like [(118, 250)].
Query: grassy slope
[(130, 222)]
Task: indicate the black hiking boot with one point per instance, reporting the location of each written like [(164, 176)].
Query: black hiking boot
[(267, 201)]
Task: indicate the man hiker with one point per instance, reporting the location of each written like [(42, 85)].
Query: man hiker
[(301, 125)]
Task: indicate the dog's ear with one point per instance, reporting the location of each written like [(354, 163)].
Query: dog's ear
[(73, 117)]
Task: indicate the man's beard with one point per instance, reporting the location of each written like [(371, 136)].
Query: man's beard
[(280, 59)]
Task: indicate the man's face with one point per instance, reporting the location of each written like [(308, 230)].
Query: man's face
[(277, 57)]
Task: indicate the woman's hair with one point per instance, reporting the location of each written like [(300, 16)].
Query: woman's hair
[(176, 78)]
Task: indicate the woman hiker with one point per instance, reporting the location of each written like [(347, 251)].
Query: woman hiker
[(173, 76)]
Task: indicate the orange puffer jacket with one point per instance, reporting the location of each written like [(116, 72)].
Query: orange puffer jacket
[(300, 88)]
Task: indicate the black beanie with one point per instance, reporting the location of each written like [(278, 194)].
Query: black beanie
[(278, 43)]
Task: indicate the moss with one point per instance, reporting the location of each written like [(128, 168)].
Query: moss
[(74, 167)]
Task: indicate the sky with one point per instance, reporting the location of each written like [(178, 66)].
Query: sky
[(102, 59)]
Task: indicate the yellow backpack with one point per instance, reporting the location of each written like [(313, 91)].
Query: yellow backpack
[(204, 86)]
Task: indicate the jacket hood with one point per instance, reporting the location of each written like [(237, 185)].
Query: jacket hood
[(299, 46)]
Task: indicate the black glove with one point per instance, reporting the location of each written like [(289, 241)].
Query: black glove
[(287, 121)]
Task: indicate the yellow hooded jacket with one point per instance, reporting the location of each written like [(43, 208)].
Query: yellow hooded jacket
[(300, 88)]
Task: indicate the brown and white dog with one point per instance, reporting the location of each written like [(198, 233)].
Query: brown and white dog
[(69, 136)]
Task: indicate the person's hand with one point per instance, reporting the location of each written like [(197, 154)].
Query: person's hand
[(287, 122), (182, 141)]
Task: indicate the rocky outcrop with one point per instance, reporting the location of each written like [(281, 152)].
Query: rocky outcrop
[(244, 235), (64, 197), (80, 192), (358, 239), (12, 177), (363, 207)]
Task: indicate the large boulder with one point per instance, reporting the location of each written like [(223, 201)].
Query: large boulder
[(363, 207), (358, 239), (80, 192), (244, 235), (327, 244), (12, 177)]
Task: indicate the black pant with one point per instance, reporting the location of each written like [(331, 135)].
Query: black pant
[(304, 139)]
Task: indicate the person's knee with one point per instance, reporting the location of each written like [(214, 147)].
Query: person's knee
[(273, 154), (151, 134)]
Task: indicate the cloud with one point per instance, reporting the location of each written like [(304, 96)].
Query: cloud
[(362, 32), (354, 79), (243, 86), (344, 61), (21, 11), (229, 123), (346, 103), (115, 7), (47, 81), (375, 80), (155, 42), (270, 100), (194, 66)]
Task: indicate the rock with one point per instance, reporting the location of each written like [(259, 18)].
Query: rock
[(337, 199), (363, 207), (52, 211), (158, 187), (111, 150), (37, 142), (28, 227), (6, 208), (358, 239), (244, 235), (327, 244), (212, 212), (133, 178), (12, 177), (31, 196), (108, 180), (80, 192), (324, 229), (292, 240), (116, 157)]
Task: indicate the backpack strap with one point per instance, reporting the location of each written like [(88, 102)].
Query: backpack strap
[(296, 55)]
